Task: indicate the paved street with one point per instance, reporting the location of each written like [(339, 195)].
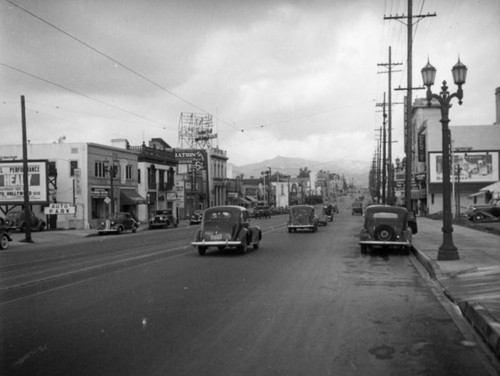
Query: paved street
[(147, 304)]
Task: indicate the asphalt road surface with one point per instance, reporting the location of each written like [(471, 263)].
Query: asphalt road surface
[(302, 304)]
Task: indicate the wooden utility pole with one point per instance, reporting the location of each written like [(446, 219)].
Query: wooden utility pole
[(27, 211), (384, 151), (390, 185), (408, 141)]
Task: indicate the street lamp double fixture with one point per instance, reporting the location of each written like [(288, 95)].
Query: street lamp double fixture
[(447, 251)]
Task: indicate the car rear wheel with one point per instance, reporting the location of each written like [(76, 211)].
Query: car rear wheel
[(478, 217), (134, 229), (256, 245), (119, 230), (202, 250), (4, 242), (384, 233)]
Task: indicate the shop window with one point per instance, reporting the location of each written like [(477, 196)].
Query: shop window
[(73, 165)]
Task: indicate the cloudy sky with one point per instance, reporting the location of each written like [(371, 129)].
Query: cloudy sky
[(296, 78)]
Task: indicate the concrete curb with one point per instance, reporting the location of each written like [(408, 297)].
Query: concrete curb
[(484, 323), (429, 264), (480, 319)]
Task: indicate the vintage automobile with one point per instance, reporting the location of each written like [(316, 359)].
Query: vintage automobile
[(16, 220), (320, 213), (335, 208), (385, 227), (196, 218), (489, 212), (162, 219), (4, 234), (302, 217), (117, 223), (357, 208), (262, 211), (226, 226)]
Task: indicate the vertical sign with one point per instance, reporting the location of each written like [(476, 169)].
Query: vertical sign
[(78, 182), (421, 148)]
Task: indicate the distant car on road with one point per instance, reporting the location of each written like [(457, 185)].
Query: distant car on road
[(357, 208), (262, 212), (320, 213), (385, 227), (196, 218), (489, 212), (117, 223), (162, 219), (16, 220), (4, 234), (302, 217), (226, 226)]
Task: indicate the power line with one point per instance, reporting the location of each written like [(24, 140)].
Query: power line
[(114, 60), (78, 93)]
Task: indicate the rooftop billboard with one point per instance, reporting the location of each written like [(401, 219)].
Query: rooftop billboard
[(474, 167), (12, 182)]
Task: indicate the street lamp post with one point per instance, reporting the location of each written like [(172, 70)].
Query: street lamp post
[(447, 251)]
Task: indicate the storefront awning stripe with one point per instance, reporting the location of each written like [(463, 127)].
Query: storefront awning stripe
[(131, 197)]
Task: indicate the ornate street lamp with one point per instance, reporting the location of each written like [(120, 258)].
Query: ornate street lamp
[(447, 251)]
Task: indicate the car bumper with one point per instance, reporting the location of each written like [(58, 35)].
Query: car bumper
[(217, 243), (384, 243), (300, 226)]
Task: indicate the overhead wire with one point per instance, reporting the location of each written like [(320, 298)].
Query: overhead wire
[(78, 93), (114, 60)]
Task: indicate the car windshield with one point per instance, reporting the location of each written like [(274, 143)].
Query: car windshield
[(385, 215), (301, 211), (221, 215)]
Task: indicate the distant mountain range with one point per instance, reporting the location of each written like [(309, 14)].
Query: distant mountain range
[(353, 171)]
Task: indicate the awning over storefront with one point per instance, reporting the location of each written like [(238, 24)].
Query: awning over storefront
[(131, 197), (494, 188), (477, 194), (251, 199), (244, 201)]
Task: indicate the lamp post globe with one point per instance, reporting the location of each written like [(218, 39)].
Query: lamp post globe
[(447, 251)]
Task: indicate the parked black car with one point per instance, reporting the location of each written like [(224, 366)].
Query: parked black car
[(117, 223), (4, 234), (489, 212), (16, 220)]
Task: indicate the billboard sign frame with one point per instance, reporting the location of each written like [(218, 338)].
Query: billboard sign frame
[(474, 166), (12, 182)]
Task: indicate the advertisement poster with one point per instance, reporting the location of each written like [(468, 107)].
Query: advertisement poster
[(12, 183), (473, 167)]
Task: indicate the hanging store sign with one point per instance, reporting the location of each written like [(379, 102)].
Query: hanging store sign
[(60, 209)]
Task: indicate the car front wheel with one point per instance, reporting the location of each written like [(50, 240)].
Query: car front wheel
[(4, 242), (202, 250)]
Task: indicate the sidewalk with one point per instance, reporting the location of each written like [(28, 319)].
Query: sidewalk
[(473, 281)]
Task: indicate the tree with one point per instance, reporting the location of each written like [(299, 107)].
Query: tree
[(304, 172)]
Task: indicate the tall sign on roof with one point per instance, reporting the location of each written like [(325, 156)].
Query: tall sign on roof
[(196, 131)]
